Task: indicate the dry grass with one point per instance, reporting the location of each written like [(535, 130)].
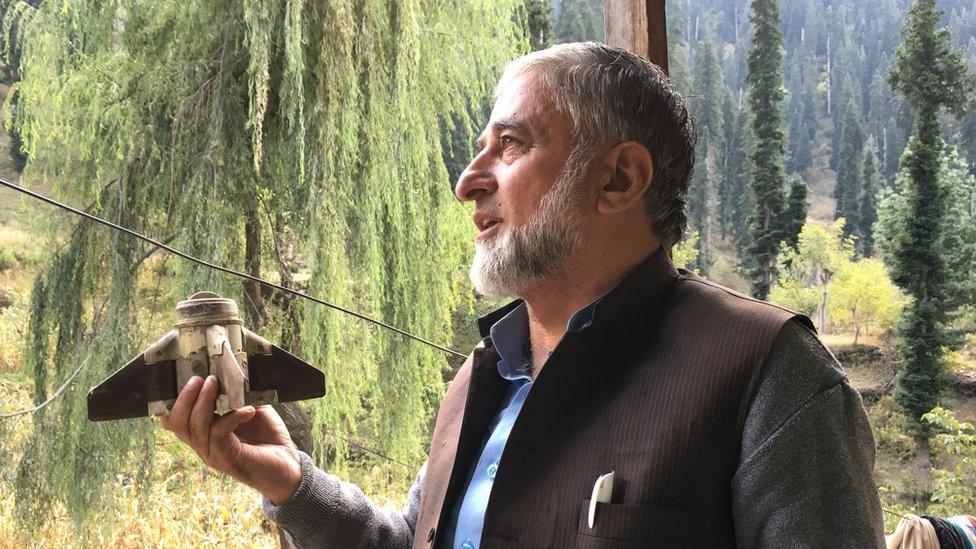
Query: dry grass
[(185, 505), (220, 513), (837, 340)]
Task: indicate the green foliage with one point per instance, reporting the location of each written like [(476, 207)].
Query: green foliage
[(538, 24), (734, 199), (797, 296), (954, 249), (957, 237), (929, 69), (868, 212), (801, 114), (959, 232), (700, 203), (685, 252), (820, 278), (319, 121), (795, 216), (955, 486), (766, 93), (706, 107), (931, 74), (806, 271), (7, 259), (579, 21), (849, 191), (862, 295), (679, 50), (706, 102)]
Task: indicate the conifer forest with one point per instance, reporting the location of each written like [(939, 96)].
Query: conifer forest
[(314, 144)]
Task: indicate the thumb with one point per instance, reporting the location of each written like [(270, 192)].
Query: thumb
[(227, 424)]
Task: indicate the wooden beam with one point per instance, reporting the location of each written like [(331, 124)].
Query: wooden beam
[(638, 26)]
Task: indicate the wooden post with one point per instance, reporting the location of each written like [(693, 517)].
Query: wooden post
[(638, 26)]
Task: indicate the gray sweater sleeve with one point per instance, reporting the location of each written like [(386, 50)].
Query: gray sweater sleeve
[(327, 512), (805, 474)]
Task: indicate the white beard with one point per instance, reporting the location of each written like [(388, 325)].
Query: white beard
[(506, 264)]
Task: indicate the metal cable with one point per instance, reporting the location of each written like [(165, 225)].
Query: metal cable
[(50, 399), (226, 270), (81, 365)]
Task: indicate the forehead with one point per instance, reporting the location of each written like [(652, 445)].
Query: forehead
[(523, 100)]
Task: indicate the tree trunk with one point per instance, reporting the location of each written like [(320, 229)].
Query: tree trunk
[(822, 317), (254, 302)]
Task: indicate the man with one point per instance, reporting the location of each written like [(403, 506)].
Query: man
[(725, 420)]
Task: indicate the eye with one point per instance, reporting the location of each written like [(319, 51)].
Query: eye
[(507, 140)]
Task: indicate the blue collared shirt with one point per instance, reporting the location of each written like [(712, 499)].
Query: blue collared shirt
[(510, 337)]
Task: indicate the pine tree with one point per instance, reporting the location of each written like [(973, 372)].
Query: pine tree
[(678, 49), (706, 102), (579, 21), (730, 129), (869, 204), (797, 206), (849, 191), (959, 232), (706, 107), (765, 79), (736, 174), (538, 19), (799, 156), (931, 74)]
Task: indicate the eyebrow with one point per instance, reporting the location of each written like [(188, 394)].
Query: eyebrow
[(499, 126)]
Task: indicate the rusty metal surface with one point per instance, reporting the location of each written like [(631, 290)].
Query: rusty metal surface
[(127, 392), (293, 378)]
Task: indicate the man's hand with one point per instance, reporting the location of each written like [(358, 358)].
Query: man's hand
[(251, 445)]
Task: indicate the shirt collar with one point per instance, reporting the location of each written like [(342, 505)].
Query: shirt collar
[(510, 337), (645, 284)]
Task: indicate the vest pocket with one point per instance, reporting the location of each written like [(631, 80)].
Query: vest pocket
[(619, 525)]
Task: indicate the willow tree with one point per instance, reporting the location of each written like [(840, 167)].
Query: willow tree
[(271, 136)]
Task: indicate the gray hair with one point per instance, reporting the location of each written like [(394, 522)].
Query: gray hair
[(612, 96)]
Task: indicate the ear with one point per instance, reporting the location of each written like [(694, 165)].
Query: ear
[(631, 170)]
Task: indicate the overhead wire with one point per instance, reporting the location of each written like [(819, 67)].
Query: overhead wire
[(53, 397), (161, 245), (227, 270)]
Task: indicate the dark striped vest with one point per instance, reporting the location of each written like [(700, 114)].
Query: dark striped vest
[(656, 389)]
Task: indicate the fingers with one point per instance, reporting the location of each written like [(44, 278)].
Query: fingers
[(201, 416), (229, 422), (178, 418)]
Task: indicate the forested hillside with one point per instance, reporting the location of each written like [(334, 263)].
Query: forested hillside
[(836, 57), (314, 144)]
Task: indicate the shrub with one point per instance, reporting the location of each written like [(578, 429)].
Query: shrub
[(7, 259)]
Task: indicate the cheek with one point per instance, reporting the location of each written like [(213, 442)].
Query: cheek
[(521, 193)]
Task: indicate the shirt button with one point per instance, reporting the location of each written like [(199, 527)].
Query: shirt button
[(492, 469), (467, 544)]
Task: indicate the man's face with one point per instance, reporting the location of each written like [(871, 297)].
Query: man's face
[(528, 201)]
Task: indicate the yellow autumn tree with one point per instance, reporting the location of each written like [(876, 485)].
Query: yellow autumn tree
[(863, 296)]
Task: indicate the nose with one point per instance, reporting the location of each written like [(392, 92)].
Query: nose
[(476, 180)]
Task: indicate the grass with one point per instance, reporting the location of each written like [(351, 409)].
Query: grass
[(184, 506)]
